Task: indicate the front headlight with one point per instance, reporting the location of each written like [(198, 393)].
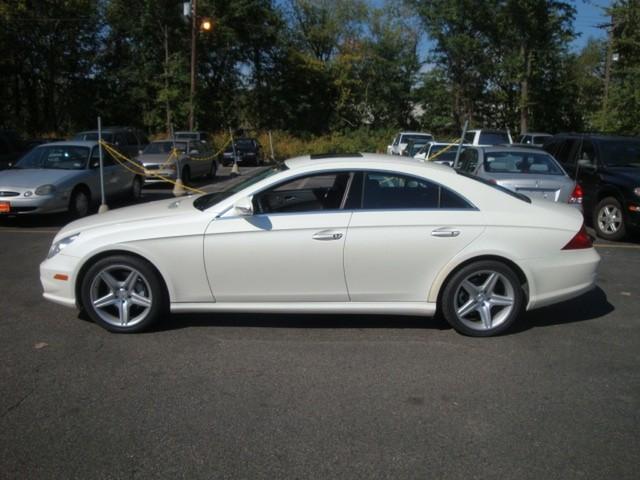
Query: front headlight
[(61, 244), (637, 191), (45, 189)]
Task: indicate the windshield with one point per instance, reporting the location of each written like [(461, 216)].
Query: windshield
[(59, 157), (493, 138), (210, 199), (621, 153), (416, 138), (449, 155), (163, 147), (521, 163), (511, 193), (93, 136), (187, 136)]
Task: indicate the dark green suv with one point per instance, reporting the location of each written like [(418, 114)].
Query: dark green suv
[(607, 167)]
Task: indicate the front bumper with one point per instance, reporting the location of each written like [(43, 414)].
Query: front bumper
[(152, 175), (35, 204), (56, 290)]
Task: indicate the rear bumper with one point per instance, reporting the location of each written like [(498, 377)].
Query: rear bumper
[(560, 277)]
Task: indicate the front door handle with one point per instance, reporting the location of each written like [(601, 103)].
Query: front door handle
[(445, 232), (327, 235)]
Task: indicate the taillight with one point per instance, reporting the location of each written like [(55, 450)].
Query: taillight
[(576, 195), (579, 240)]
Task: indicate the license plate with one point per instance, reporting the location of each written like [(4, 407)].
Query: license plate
[(5, 207)]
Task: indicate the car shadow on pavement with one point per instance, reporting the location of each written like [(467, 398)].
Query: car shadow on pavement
[(312, 321), (588, 306)]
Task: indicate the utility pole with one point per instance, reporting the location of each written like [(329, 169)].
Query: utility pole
[(194, 29)]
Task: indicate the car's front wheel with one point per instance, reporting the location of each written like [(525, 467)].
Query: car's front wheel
[(80, 203), (123, 294), (482, 299), (608, 219), (136, 188)]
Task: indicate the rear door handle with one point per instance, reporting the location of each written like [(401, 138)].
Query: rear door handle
[(327, 235), (445, 232)]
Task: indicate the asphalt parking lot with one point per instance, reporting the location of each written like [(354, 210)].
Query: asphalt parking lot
[(308, 396)]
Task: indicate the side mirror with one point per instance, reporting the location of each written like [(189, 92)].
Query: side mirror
[(243, 207), (193, 152)]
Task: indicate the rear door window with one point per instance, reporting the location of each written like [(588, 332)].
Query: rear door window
[(392, 191)]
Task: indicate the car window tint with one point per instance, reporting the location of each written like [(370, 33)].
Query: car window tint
[(587, 153), (493, 138), (469, 137), (383, 191), (521, 163), (305, 194), (468, 160), (107, 159), (131, 139), (564, 151)]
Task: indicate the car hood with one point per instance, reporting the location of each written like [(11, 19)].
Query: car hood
[(160, 209), (32, 178)]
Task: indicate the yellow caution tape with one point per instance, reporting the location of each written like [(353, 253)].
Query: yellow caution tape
[(447, 148), (141, 171)]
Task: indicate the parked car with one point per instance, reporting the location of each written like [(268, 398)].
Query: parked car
[(487, 137), (11, 148), (194, 158), (194, 136), (413, 147), (431, 153), (62, 176), (248, 152), (130, 142), (607, 168), (529, 171), (363, 234), (402, 139), (534, 138)]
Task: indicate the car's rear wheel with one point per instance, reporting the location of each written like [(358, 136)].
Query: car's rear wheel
[(123, 294), (608, 219), (482, 299), (136, 188), (213, 169), (79, 204)]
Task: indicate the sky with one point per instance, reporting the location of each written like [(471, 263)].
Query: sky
[(589, 15)]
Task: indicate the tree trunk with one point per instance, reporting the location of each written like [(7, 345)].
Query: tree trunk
[(524, 90), (167, 103)]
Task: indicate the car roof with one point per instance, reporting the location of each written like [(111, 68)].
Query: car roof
[(509, 148), (70, 143), (358, 161), (487, 130), (538, 134), (596, 136), (416, 133)]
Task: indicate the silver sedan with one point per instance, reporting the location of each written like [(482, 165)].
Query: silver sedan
[(529, 171), (63, 176)]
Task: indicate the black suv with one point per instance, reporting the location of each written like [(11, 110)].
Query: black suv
[(129, 141), (607, 168), (248, 152), (11, 148)]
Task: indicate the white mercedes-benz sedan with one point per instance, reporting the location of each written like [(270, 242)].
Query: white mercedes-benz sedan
[(363, 233)]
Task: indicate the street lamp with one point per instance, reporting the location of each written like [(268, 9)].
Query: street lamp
[(205, 26)]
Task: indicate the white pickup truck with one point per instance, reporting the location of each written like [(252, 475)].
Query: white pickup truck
[(401, 140)]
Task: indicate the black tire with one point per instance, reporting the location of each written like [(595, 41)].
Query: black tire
[(609, 219), (149, 286), (186, 176), (456, 296), (136, 188), (213, 169), (79, 203)]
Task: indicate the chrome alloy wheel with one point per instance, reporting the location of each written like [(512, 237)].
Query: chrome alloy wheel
[(609, 219), (484, 300), (121, 295)]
